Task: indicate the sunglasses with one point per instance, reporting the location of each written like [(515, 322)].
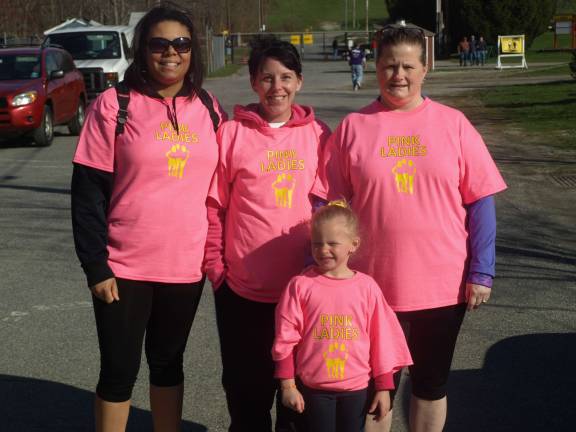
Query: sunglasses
[(159, 45), (392, 30)]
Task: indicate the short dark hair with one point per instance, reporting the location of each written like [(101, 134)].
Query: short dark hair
[(396, 34), (270, 47), (136, 74)]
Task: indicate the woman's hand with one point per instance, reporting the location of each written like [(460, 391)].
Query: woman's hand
[(380, 405), (106, 290), (476, 295), (291, 397)]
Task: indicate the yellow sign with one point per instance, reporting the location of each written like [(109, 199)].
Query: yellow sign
[(512, 44), (308, 39), (295, 39)]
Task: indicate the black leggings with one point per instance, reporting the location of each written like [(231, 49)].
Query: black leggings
[(246, 330), (328, 411), (431, 335), (161, 312)]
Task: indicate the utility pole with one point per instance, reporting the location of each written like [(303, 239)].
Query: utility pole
[(367, 17), (439, 27), (346, 15), (228, 23), (259, 15)]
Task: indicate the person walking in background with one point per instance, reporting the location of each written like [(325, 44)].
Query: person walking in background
[(334, 332), (257, 241), (335, 49), (481, 50), (139, 216), (463, 51), (473, 49), (422, 181), (357, 62)]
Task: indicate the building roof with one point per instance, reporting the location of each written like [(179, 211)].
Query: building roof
[(73, 23), (94, 28)]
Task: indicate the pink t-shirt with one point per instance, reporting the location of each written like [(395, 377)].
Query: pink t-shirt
[(408, 176), (157, 217), (342, 330), (263, 182)]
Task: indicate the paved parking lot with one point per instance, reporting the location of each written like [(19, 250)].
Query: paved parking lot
[(514, 365)]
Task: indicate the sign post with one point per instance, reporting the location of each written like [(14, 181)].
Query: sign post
[(511, 46)]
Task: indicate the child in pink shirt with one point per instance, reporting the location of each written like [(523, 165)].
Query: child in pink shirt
[(335, 332)]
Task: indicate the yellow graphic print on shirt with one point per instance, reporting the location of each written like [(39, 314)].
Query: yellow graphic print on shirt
[(284, 189), (404, 172), (182, 135), (335, 358), (177, 157)]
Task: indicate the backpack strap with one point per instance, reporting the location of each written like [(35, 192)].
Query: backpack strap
[(209, 104), (123, 96)]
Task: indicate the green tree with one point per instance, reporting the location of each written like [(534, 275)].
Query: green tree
[(419, 12), (491, 18)]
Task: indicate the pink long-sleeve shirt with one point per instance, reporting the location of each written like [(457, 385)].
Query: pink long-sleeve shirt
[(340, 331)]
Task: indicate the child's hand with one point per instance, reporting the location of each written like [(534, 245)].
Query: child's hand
[(292, 398), (380, 405)]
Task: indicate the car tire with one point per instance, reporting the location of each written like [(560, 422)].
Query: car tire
[(75, 125), (44, 134)]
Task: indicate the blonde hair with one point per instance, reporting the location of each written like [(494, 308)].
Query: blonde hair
[(333, 210)]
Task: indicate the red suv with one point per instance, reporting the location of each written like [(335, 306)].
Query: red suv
[(39, 88)]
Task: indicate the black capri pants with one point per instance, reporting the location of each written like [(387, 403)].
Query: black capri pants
[(431, 335), (246, 331), (332, 411), (162, 313)]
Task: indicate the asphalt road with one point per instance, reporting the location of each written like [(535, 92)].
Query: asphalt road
[(514, 365)]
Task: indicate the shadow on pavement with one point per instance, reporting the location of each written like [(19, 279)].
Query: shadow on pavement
[(526, 384), (61, 191), (30, 405)]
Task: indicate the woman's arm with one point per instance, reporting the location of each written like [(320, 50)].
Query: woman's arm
[(214, 251), (91, 190), (482, 232)]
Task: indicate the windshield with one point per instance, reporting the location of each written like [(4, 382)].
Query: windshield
[(19, 67), (88, 46)]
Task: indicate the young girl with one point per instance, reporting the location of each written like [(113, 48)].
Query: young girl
[(335, 332), (257, 237)]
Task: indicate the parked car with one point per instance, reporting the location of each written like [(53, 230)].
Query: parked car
[(39, 88)]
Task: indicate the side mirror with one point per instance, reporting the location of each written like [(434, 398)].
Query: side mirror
[(57, 74)]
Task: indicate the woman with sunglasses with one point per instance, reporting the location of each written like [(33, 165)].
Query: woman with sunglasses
[(258, 237), (421, 180), (139, 217)]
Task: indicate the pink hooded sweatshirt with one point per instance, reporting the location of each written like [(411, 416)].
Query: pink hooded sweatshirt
[(259, 204)]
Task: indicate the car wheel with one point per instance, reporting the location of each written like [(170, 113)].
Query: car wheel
[(75, 125), (44, 135)]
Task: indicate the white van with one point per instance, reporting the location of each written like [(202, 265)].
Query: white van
[(101, 53)]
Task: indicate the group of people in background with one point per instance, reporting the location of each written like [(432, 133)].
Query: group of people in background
[(336, 258), (472, 52)]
